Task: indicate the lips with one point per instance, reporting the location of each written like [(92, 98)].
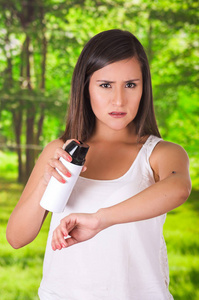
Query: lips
[(117, 114)]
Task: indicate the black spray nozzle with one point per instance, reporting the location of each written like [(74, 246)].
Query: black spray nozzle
[(77, 151)]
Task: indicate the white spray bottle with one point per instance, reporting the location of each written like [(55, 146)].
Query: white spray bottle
[(56, 194)]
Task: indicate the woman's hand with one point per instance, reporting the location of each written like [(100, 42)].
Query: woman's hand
[(75, 228), (55, 166)]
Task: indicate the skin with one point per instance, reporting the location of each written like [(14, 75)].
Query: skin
[(115, 98)]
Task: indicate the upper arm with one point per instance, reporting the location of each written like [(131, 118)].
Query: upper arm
[(169, 157)]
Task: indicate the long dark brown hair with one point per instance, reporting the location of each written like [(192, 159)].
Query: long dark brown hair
[(105, 48)]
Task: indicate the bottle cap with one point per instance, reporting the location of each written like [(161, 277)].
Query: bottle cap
[(77, 151)]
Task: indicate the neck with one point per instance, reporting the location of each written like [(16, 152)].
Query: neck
[(126, 135)]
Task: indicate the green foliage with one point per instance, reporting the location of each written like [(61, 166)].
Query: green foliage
[(181, 233), (20, 270), (8, 165), (168, 31)]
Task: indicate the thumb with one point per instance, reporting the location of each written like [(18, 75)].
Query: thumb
[(84, 169)]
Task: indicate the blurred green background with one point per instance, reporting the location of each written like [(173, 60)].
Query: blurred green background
[(40, 42)]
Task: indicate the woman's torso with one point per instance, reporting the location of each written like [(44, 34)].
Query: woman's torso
[(123, 262)]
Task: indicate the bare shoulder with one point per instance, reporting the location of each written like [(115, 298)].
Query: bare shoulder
[(47, 153), (168, 157), (52, 146), (164, 148)]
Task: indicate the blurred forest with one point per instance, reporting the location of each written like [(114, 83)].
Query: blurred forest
[(41, 40)]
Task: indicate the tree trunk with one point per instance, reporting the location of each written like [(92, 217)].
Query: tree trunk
[(30, 118), (17, 114), (17, 117), (30, 114), (150, 41), (43, 80)]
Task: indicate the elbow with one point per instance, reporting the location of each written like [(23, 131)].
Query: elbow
[(12, 239), (17, 241), (13, 243), (184, 191)]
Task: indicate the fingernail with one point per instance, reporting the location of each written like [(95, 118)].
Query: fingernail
[(68, 174), (63, 181), (63, 245), (69, 159), (84, 168)]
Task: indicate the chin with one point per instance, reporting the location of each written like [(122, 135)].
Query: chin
[(120, 126)]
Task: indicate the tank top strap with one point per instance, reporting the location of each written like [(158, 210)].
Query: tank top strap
[(150, 144)]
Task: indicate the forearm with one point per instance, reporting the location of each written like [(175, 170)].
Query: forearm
[(154, 201), (26, 219)]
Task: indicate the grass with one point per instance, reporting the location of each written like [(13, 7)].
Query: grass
[(181, 232), (21, 270)]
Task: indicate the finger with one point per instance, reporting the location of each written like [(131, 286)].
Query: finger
[(55, 242), (61, 168), (51, 171), (70, 241), (67, 224), (58, 170), (61, 153), (59, 233), (58, 240), (61, 242), (58, 176)]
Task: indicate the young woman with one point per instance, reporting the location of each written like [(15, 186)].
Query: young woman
[(132, 178)]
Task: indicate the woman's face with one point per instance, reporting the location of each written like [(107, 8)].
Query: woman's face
[(115, 93)]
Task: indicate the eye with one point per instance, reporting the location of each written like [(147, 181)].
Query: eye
[(130, 85), (105, 85)]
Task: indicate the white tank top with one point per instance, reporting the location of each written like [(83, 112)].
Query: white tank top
[(122, 262)]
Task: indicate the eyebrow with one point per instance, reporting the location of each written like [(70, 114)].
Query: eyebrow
[(109, 81)]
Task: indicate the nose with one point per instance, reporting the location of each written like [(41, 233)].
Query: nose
[(118, 97)]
